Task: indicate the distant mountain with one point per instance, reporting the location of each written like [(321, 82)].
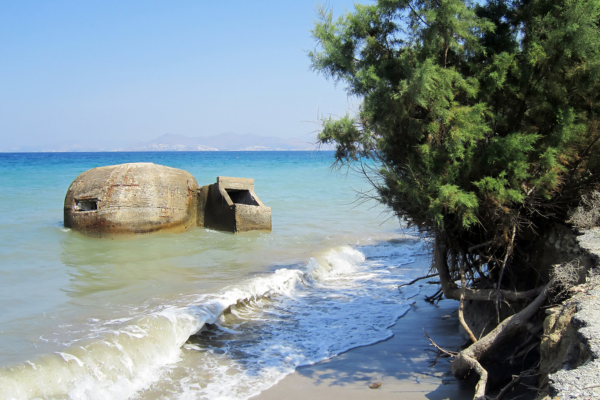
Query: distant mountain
[(172, 147), (171, 142), (223, 142)]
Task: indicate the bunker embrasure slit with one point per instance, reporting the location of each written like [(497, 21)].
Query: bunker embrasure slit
[(241, 197), (86, 204)]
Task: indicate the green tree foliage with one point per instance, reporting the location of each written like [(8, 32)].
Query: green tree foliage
[(482, 118)]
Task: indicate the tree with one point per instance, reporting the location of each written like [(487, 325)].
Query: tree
[(481, 119)]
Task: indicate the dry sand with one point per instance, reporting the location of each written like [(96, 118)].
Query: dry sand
[(401, 363)]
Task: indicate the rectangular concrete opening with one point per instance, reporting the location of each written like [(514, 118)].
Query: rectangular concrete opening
[(241, 197), (86, 204)]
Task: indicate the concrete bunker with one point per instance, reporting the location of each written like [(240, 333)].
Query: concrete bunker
[(138, 198), (231, 205), (131, 198), (239, 196), (86, 205)]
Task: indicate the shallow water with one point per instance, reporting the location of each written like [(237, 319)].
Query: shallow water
[(201, 314)]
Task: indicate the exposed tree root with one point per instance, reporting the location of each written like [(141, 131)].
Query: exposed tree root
[(453, 265), (516, 379), (461, 317), (469, 358), (453, 291), (526, 346), (524, 352), (490, 294), (483, 376), (506, 330)]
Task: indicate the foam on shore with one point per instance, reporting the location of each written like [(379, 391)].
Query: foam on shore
[(235, 343)]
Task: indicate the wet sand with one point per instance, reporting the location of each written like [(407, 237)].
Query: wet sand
[(401, 363)]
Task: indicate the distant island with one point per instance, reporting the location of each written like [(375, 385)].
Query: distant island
[(223, 142), (174, 142)]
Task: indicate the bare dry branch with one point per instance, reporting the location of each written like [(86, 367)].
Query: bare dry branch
[(437, 296), (416, 280), (448, 352)]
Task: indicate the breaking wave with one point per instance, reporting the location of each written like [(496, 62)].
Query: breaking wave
[(235, 343)]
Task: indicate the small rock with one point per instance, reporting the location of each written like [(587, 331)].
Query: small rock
[(374, 385)]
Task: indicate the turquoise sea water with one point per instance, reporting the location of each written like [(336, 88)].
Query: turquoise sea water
[(200, 314)]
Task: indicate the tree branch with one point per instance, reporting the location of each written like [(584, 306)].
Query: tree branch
[(417, 14), (477, 246), (416, 280), (508, 253), (450, 353)]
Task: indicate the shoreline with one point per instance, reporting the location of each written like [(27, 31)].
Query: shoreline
[(400, 363)]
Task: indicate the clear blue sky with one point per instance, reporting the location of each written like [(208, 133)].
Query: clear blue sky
[(128, 71)]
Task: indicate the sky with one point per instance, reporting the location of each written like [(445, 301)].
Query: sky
[(121, 72)]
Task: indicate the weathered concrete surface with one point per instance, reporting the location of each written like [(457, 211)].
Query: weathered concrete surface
[(231, 205), (144, 197), (572, 337), (131, 198)]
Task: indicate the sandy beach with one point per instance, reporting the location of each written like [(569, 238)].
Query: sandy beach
[(401, 363)]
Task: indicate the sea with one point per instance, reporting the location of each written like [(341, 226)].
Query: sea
[(200, 314)]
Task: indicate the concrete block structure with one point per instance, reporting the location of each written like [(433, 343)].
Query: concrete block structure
[(231, 205), (130, 199), (137, 198)]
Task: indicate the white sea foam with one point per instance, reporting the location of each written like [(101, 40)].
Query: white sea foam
[(236, 343)]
